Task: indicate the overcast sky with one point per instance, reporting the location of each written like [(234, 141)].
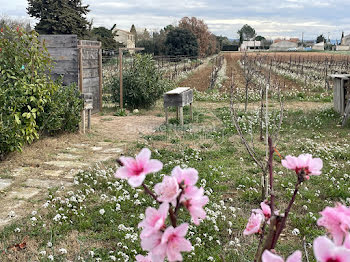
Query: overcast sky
[(270, 18)]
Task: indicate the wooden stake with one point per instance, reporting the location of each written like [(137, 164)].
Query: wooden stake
[(100, 75), (121, 77)]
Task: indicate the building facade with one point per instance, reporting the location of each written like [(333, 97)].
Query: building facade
[(124, 38)]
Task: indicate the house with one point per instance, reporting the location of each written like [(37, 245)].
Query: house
[(345, 44), (318, 46), (250, 45), (124, 38), (284, 45)]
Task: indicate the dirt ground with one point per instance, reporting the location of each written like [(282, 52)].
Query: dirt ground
[(200, 80)]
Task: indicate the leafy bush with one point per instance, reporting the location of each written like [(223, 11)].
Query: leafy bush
[(142, 84), (25, 87), (62, 112), (27, 91)]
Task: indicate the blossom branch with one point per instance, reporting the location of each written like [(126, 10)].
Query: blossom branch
[(148, 191), (286, 213)]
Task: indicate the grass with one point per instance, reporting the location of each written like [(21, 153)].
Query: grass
[(73, 220), (97, 218)]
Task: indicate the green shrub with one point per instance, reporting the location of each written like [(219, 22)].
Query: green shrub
[(63, 111), (142, 84), (27, 91), (25, 88)]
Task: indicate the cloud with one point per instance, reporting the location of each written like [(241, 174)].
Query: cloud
[(270, 18)]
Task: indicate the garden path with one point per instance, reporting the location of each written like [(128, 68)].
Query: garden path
[(53, 161)]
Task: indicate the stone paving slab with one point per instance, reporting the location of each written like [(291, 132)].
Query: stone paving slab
[(53, 173), (66, 164), (63, 156), (96, 148), (104, 157), (45, 183), (5, 183), (22, 193), (112, 151), (10, 212), (21, 171)]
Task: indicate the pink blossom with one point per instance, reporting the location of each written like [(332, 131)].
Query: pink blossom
[(347, 241), (254, 224), (337, 221), (265, 209), (326, 251), (152, 241), (140, 258), (154, 220), (194, 200), (135, 170), (173, 242), (267, 256), (187, 176), (305, 162), (168, 190)]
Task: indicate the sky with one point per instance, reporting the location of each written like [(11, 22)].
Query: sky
[(269, 18)]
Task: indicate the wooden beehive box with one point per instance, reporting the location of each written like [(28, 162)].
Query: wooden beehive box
[(178, 97), (341, 91)]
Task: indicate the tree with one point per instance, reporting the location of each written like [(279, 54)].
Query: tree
[(106, 37), (59, 16), (222, 41), (148, 46), (200, 30), (181, 41), (134, 32), (13, 23), (246, 33), (320, 39), (260, 38)]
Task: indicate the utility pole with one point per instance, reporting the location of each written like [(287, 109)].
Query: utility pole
[(302, 39)]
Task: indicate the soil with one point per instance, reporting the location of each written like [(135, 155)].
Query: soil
[(200, 79)]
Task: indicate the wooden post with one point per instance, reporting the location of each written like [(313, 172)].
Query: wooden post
[(100, 75), (121, 77), (181, 112), (84, 124), (191, 112), (80, 68), (81, 82), (89, 119), (166, 115)]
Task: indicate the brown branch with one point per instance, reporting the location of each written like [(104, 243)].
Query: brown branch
[(148, 191), (172, 216), (286, 213), (270, 164)]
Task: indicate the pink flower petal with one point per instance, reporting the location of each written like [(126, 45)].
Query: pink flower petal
[(267, 256), (322, 248), (153, 166), (181, 230), (122, 172), (136, 181), (144, 156), (295, 257)]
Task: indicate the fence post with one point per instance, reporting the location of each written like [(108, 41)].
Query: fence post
[(100, 74)]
